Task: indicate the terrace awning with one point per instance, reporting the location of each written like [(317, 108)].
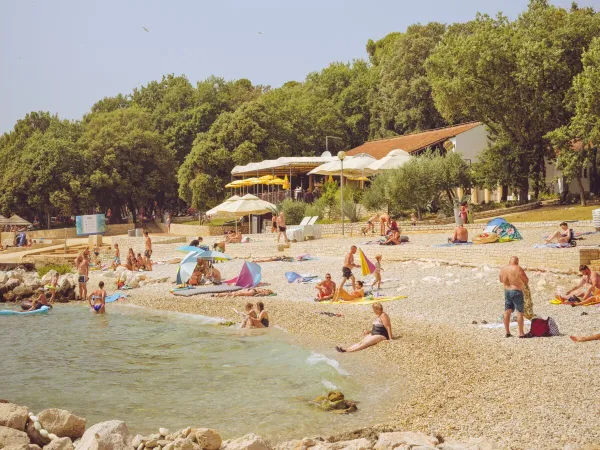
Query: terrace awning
[(282, 166)]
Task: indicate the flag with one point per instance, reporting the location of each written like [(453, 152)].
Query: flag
[(366, 266)]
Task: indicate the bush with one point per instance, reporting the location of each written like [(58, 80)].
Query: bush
[(294, 211), (60, 268)]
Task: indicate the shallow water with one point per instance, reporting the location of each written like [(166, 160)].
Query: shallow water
[(171, 370)]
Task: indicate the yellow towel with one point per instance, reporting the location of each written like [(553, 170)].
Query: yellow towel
[(364, 300)]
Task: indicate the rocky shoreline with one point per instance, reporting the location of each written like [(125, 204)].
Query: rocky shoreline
[(19, 284), (57, 429)]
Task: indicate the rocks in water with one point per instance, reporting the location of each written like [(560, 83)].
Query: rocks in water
[(151, 443), (62, 423), (111, 435), (13, 416), (35, 435), (61, 443), (163, 431), (22, 291), (10, 436), (404, 439), (248, 442), (206, 438), (182, 444), (335, 402)]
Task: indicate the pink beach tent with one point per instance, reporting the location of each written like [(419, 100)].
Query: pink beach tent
[(249, 276)]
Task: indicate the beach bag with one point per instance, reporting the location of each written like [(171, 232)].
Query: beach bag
[(539, 328), (553, 328)]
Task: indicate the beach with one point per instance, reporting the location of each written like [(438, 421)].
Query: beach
[(459, 379)]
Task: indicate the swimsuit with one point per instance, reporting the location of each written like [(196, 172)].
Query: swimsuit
[(347, 273), (97, 307), (82, 279), (148, 253), (282, 229), (265, 322), (379, 329)]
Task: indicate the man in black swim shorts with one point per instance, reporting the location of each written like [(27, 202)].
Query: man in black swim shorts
[(348, 266)]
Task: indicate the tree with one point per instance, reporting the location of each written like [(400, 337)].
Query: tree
[(128, 159), (513, 76)]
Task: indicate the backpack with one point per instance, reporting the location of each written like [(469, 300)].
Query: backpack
[(553, 328), (539, 328)]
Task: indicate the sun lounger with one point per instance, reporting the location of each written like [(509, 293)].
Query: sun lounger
[(296, 232), (312, 230)]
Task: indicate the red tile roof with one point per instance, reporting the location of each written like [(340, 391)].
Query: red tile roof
[(411, 142)]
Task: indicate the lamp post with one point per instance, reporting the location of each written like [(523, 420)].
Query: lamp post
[(341, 155)]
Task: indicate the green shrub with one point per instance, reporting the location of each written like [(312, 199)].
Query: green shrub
[(294, 211), (60, 268)]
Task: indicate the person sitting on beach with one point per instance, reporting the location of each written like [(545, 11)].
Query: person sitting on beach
[(42, 300), (197, 276), (460, 236), (393, 238), (234, 238), (53, 287), (325, 288), (117, 259), (562, 236), (252, 292), (131, 261), (371, 224), (586, 290), (593, 337), (381, 331), (140, 264), (262, 320), (201, 245), (213, 274), (346, 296), (250, 314), (97, 261), (97, 299)]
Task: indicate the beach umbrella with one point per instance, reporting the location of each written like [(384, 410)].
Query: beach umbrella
[(16, 220), (215, 211), (366, 266), (330, 179), (353, 166), (188, 249), (211, 255), (393, 160), (286, 183), (266, 178), (276, 181), (248, 204), (187, 267)]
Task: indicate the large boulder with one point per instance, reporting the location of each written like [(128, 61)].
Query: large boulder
[(408, 439), (248, 442), (207, 438), (64, 284), (23, 447), (111, 435), (46, 279), (11, 437), (11, 284), (62, 423), (3, 277), (17, 274), (63, 443), (13, 416), (22, 290), (33, 283)]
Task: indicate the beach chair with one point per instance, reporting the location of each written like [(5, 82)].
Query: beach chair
[(311, 229), (296, 232)]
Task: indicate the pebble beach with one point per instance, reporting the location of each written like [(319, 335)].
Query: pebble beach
[(460, 377)]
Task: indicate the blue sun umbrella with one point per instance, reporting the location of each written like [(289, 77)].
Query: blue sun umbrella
[(186, 267), (212, 255), (189, 248)]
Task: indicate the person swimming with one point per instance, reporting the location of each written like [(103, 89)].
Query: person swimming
[(97, 299)]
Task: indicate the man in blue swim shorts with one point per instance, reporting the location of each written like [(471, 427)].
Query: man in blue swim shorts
[(514, 279)]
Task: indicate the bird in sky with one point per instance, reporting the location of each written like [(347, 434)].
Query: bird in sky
[(260, 32), (146, 30)]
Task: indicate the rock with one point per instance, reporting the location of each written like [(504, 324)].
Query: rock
[(23, 290), (9, 297), (471, 444), (32, 283), (62, 423), (356, 444), (35, 436), (163, 431), (389, 441), (207, 438), (12, 283), (163, 442), (64, 284), (62, 443), (3, 277), (13, 416), (12, 437), (186, 432), (46, 279), (111, 435), (140, 447), (182, 444), (335, 396), (23, 447), (248, 442), (151, 443), (137, 440)]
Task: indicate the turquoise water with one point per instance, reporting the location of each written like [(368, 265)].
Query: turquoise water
[(171, 370)]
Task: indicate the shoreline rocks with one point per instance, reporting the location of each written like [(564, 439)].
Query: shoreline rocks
[(18, 284)]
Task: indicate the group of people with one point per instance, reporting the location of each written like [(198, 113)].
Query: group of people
[(255, 316)]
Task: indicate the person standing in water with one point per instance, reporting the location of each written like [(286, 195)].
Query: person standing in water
[(514, 279), (83, 269), (97, 299)]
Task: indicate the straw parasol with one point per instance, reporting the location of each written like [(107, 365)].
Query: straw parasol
[(248, 204), (217, 209), (16, 220)]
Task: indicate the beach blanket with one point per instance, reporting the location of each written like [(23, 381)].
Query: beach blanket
[(452, 244), (293, 277), (305, 258), (364, 300), (205, 290), (553, 245), (114, 297), (374, 242)]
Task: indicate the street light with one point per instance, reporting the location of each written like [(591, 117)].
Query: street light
[(341, 155)]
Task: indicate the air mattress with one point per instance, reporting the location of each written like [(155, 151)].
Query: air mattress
[(206, 290), (8, 312)]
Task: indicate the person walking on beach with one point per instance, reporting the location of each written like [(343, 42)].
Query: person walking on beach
[(514, 279), (97, 299), (377, 272), (381, 331), (117, 259), (325, 288), (281, 227), (168, 227), (348, 266), (148, 251), (83, 269)]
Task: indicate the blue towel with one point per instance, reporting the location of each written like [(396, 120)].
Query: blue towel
[(452, 244)]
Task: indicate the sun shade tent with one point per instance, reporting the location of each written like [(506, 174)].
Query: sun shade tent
[(354, 166), (249, 276), (505, 231), (393, 160)]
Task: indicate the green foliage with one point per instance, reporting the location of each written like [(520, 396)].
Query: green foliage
[(294, 211), (62, 269)]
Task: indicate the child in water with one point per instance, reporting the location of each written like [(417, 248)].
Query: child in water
[(97, 299)]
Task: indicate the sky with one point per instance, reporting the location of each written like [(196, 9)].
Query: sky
[(64, 55)]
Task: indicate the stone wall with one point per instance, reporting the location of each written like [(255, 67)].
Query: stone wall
[(200, 230), (59, 233), (126, 242)]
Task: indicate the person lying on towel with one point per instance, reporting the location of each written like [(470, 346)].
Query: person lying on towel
[(460, 236), (357, 293)]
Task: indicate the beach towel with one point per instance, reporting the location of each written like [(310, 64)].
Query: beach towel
[(452, 244), (554, 245), (305, 258), (294, 277), (205, 290), (364, 300), (528, 311), (366, 266), (114, 297), (374, 242)]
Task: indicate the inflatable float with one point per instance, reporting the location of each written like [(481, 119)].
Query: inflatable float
[(8, 312)]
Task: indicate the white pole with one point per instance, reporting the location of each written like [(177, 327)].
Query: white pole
[(342, 192)]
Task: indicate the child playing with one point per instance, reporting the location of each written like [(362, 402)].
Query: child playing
[(413, 219), (377, 272), (53, 287), (117, 259)]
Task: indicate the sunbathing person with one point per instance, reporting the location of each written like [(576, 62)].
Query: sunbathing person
[(326, 289), (393, 238), (273, 259), (234, 238), (381, 331), (584, 292), (262, 321), (593, 337), (252, 292), (140, 262), (460, 236), (562, 236), (348, 296)]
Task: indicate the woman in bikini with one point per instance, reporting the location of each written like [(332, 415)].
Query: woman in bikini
[(131, 261), (341, 293), (97, 299), (262, 320), (381, 331)]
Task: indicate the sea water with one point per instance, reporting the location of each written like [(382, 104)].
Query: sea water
[(172, 370)]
